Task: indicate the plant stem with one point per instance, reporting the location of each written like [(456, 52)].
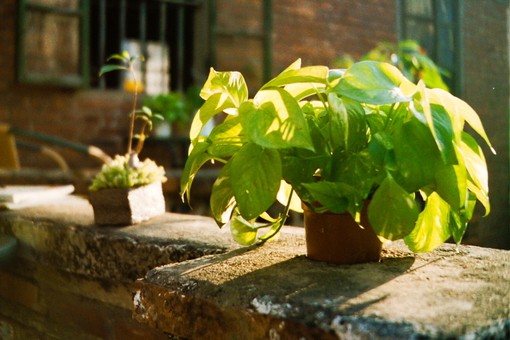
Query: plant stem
[(132, 117), (284, 217)]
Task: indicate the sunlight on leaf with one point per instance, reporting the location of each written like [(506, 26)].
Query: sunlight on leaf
[(196, 159), (231, 84), (222, 197), (375, 83), (432, 228), (243, 232), (215, 104), (283, 197), (275, 120), (310, 75), (475, 162)]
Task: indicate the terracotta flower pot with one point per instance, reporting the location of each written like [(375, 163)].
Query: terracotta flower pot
[(337, 238), (119, 206)]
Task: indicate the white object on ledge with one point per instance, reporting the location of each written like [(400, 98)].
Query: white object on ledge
[(15, 196)]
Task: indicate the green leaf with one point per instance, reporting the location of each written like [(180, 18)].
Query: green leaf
[(336, 197), (472, 119), (275, 120), (432, 228), (374, 83), (358, 169), (231, 84), (299, 167), (300, 91), (444, 133), (348, 124), (243, 232), (392, 211), (285, 193), (216, 103), (222, 197), (478, 181), (438, 122), (312, 75), (416, 155), (226, 138), (196, 159), (459, 219), (274, 229), (459, 112), (452, 185), (257, 178), (125, 57), (475, 162), (481, 195), (108, 68)]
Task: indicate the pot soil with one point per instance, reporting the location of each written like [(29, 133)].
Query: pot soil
[(337, 238), (121, 206)]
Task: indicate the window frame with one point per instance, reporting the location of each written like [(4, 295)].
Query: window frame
[(26, 76), (456, 85)]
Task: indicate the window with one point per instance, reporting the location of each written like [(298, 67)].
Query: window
[(160, 30), (51, 41), (435, 25)]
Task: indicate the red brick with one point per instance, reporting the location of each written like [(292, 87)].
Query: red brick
[(18, 289)]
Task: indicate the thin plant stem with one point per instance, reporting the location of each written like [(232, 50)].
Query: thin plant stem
[(132, 115)]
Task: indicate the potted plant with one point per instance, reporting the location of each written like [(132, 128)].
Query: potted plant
[(127, 190), (409, 57), (363, 141), (176, 108), (171, 106)]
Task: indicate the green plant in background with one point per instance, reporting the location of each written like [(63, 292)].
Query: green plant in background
[(127, 171), (171, 106), (335, 138), (409, 57), (175, 106)]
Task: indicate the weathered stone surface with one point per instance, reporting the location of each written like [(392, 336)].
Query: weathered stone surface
[(123, 206), (63, 235), (275, 292)]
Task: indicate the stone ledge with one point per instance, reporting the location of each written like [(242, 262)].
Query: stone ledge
[(275, 292), (63, 235)]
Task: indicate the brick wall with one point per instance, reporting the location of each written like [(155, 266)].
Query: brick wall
[(40, 302), (320, 31), (67, 278), (79, 115), (486, 89), (98, 117)]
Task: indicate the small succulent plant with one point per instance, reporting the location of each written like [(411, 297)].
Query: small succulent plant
[(127, 172)]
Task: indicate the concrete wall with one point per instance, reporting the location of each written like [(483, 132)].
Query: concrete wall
[(70, 279)]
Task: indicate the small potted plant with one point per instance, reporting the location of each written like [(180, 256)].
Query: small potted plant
[(364, 142), (126, 190)]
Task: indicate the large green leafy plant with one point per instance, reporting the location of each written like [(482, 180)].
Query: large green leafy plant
[(335, 138)]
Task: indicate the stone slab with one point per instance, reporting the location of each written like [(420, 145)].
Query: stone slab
[(63, 235), (275, 292)]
